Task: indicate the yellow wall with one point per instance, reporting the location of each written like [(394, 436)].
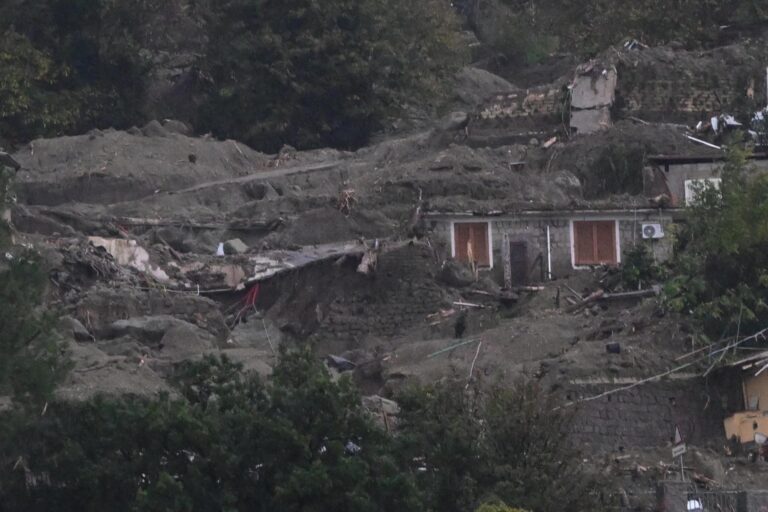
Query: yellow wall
[(756, 387), (743, 425)]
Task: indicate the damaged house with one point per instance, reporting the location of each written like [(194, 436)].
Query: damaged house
[(679, 177), (532, 246), (750, 424)]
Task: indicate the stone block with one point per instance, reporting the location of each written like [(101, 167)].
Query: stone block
[(235, 246)]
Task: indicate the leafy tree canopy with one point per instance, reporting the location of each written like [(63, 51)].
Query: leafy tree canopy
[(722, 271), (311, 74), (508, 444)]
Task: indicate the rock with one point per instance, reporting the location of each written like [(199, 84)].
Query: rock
[(474, 85), (154, 129), (146, 328), (456, 274), (443, 162), (454, 121), (174, 126), (184, 341), (235, 246), (73, 326)]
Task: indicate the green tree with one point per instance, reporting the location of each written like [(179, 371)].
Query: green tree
[(31, 363), (722, 270), (510, 444), (72, 65), (312, 74), (299, 442)]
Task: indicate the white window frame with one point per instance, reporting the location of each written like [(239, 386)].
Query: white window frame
[(473, 221), (617, 239)]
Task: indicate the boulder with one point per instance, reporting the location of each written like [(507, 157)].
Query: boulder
[(154, 129), (149, 329), (454, 121), (174, 126), (72, 327), (456, 274), (235, 246)]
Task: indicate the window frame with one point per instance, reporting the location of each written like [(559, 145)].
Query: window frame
[(616, 239), (489, 234)]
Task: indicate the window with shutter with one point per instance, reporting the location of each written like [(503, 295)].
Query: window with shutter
[(594, 242), (471, 242)]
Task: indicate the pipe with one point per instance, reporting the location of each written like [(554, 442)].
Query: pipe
[(549, 254)]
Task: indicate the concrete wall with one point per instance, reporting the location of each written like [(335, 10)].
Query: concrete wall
[(533, 231)]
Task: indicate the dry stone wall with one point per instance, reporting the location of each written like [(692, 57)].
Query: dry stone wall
[(399, 296), (646, 416)]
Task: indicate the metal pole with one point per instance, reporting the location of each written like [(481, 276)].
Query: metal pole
[(549, 255), (682, 469)]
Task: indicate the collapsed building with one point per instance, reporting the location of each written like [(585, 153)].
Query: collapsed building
[(652, 85)]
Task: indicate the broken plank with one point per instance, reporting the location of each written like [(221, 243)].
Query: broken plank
[(529, 288), (448, 349), (468, 304), (574, 292), (651, 292), (594, 297)]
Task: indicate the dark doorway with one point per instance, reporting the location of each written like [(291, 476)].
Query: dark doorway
[(518, 261)]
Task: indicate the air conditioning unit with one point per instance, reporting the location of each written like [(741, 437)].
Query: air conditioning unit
[(652, 230)]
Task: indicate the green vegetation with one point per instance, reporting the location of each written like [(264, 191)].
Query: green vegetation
[(618, 170), (69, 66), (541, 27), (497, 507), (507, 444), (301, 72), (327, 73), (639, 269), (722, 272), (30, 360), (300, 441)]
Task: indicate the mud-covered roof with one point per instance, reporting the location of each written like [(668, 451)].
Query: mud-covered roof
[(698, 158)]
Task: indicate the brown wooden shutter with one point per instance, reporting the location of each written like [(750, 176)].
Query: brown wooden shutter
[(480, 244), (584, 243), (476, 235), (461, 233), (594, 242), (605, 237)]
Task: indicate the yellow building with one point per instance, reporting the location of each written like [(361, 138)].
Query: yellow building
[(753, 421)]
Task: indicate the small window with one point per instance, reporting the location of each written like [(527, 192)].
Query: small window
[(471, 243), (594, 242)]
